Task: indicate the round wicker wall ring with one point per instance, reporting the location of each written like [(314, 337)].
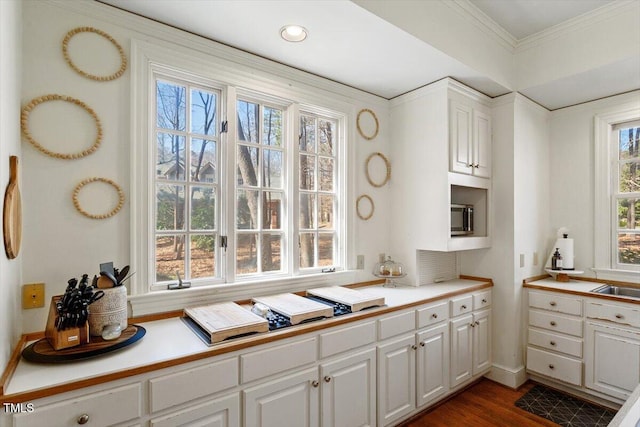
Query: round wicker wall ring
[(387, 165), (67, 57), (358, 207), (24, 124), (362, 133), (115, 210)]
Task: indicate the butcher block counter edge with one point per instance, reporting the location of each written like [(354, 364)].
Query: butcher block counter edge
[(216, 350), (579, 286)]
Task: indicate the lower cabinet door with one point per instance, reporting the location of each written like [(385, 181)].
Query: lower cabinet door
[(291, 400), (432, 373), (481, 341), (612, 360), (221, 412), (461, 350), (349, 391), (396, 379)]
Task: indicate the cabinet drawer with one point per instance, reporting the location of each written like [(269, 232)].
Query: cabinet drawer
[(621, 314), (395, 325), (461, 305), (481, 300), (193, 384), (262, 363), (560, 343), (433, 314), (556, 322), (224, 411), (347, 339), (556, 302), (555, 366), (98, 407)]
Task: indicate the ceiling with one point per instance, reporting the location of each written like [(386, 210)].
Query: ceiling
[(351, 45)]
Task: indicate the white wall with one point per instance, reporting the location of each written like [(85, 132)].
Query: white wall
[(10, 71), (59, 243)]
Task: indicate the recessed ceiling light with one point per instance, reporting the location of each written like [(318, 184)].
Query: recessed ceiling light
[(293, 33)]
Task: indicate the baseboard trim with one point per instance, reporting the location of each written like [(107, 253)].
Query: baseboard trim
[(509, 377)]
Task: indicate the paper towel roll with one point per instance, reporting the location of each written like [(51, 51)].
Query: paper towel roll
[(565, 247)]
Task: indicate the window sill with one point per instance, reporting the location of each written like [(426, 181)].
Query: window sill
[(163, 301), (619, 275)]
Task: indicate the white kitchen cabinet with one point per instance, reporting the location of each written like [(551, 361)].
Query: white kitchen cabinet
[(348, 390), (220, 412), (470, 346), (432, 376), (396, 379), (469, 138), (481, 341), (291, 400)]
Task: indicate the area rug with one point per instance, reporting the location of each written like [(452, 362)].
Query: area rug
[(563, 409)]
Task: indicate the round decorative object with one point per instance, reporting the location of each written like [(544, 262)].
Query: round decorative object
[(115, 210), (369, 135), (65, 52), (387, 165), (24, 124), (358, 210), (108, 311)]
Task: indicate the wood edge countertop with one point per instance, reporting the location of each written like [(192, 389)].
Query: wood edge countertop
[(216, 350), (583, 289)]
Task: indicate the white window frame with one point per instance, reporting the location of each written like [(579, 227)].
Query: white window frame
[(146, 58), (605, 208)]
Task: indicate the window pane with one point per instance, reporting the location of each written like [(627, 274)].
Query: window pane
[(272, 127), (248, 121), (203, 160), (171, 109), (271, 247), (326, 173), (307, 172), (247, 166), (202, 261), (203, 112), (325, 249), (203, 208), (629, 139), (247, 210), (169, 257), (271, 210), (170, 157), (629, 214), (247, 254), (326, 212), (307, 211), (307, 250), (169, 207), (308, 134), (630, 177), (272, 169), (326, 129), (629, 248)]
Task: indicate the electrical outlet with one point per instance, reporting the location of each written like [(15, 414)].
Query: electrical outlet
[(360, 262), (521, 260), (33, 295)]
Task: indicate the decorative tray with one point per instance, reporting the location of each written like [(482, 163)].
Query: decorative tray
[(42, 352)]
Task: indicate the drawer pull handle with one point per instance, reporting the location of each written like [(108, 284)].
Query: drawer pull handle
[(327, 378), (484, 300), (619, 316), (463, 307), (552, 323), (552, 343), (434, 315), (83, 419), (315, 384), (476, 323), (551, 366), (414, 347), (422, 344), (552, 303)]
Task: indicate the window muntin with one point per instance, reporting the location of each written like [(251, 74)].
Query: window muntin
[(626, 137), (186, 180)]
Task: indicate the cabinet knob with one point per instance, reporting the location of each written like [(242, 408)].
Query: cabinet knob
[(552, 343), (315, 383), (619, 316), (414, 347), (484, 300), (469, 165), (552, 323), (551, 366), (83, 419), (463, 307), (477, 165), (476, 323), (327, 378), (473, 325), (552, 303), (434, 315), (422, 344)]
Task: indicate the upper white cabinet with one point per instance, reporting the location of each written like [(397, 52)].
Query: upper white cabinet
[(469, 138)]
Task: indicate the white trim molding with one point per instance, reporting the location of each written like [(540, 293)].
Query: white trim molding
[(511, 377)]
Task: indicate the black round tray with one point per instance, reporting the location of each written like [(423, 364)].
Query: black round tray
[(42, 352)]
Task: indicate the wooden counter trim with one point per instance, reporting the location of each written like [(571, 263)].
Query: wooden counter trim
[(13, 364), (586, 294), (216, 350)]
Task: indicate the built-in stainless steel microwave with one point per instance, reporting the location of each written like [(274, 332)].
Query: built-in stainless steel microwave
[(461, 220)]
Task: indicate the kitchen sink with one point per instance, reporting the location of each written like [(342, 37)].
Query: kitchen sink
[(623, 291)]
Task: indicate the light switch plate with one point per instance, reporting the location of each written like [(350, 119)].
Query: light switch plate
[(360, 262), (33, 295), (521, 260)]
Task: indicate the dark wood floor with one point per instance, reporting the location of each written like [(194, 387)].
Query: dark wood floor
[(485, 404)]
